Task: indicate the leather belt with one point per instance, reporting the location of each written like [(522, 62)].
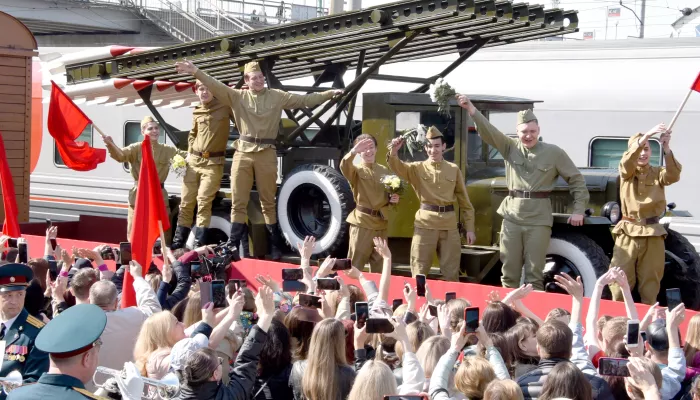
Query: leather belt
[(209, 154), (250, 139), (524, 194), (643, 221), (440, 209), (365, 210)]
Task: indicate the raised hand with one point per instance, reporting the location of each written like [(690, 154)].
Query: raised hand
[(381, 246), (306, 249), (269, 282), (185, 67), (135, 269), (362, 146), (395, 145), (326, 267), (574, 287)]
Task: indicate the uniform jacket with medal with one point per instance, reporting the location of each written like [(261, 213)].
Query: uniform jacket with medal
[(20, 353)]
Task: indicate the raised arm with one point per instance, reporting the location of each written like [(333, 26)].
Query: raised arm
[(382, 247), (222, 92), (489, 133), (124, 154), (291, 100), (672, 172), (146, 299), (400, 168), (628, 163), (593, 309)]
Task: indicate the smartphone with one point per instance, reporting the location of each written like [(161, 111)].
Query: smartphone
[(644, 336), (471, 318), (396, 304), (218, 293), (196, 269), (361, 313), (107, 253), (342, 264), (450, 296), (293, 286), (231, 287), (613, 366), (308, 300), (420, 283), (53, 243), (433, 310), (673, 298), (22, 251), (12, 242), (632, 333), (292, 274), (205, 293), (53, 270), (125, 253), (49, 224), (157, 248), (379, 325), (327, 284), (409, 318)]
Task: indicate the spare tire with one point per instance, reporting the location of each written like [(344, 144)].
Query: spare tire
[(682, 270), (315, 200)]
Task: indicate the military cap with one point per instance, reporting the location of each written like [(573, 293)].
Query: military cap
[(433, 133), (526, 116), (73, 331), (634, 139), (252, 66), (146, 120), (15, 277)]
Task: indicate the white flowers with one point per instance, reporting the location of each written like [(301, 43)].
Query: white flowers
[(441, 93), (393, 184), (178, 165), (415, 138)]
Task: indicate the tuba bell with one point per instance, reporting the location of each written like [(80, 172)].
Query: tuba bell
[(12, 381), (163, 389)]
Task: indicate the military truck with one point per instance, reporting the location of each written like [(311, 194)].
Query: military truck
[(313, 197)]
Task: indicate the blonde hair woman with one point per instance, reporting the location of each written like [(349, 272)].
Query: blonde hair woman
[(429, 353), (325, 374), (374, 381), (503, 390), (472, 377), (692, 345), (158, 335)]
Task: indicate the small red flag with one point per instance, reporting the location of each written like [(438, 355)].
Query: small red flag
[(11, 225), (66, 122), (149, 209), (696, 84)]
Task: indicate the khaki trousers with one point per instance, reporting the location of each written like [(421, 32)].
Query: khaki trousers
[(449, 249), (524, 245), (361, 248), (199, 187), (642, 259), (260, 167)]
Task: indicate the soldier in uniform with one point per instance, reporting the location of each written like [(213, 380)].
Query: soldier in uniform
[(639, 243), (438, 184), (257, 113), (162, 154), (18, 329), (369, 219), (73, 341), (207, 150), (532, 170)]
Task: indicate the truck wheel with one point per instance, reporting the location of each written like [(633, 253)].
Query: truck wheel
[(219, 228), (577, 255), (315, 200), (682, 270)]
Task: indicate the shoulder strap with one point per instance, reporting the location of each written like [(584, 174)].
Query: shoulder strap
[(88, 394)]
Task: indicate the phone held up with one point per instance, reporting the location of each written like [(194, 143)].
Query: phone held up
[(673, 298), (632, 333), (471, 319), (613, 367), (420, 285), (124, 253)]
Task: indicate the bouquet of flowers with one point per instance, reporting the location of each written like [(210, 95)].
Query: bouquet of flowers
[(415, 138), (393, 184), (441, 93), (178, 165)]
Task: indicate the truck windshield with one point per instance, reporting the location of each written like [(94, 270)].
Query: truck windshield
[(411, 119)]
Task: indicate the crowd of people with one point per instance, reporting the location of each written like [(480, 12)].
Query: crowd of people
[(264, 344)]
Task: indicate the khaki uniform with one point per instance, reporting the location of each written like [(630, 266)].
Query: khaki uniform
[(369, 193), (527, 222), (257, 116), (639, 247), (436, 184), (209, 134), (162, 154)]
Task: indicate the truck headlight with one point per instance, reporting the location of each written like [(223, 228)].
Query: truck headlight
[(611, 210)]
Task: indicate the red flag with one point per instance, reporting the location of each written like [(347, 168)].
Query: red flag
[(149, 209), (696, 84), (11, 226), (66, 122)]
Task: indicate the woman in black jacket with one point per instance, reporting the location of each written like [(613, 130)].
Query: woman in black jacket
[(203, 371), (275, 365)]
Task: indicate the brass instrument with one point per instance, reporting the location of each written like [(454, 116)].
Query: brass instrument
[(164, 389), (12, 381)]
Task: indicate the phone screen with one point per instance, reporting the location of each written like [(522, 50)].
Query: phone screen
[(613, 367), (396, 304), (22, 250), (471, 318), (292, 274), (195, 269), (157, 248), (205, 293), (293, 286), (379, 325), (12, 242), (361, 313), (342, 264), (420, 284), (53, 243), (632, 333), (673, 298), (432, 310), (125, 253), (450, 296), (308, 300), (327, 284), (218, 293)]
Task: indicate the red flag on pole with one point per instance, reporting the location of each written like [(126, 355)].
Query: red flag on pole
[(11, 225), (66, 122), (696, 84), (149, 214)]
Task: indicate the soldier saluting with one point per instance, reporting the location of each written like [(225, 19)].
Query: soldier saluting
[(438, 184), (207, 153), (532, 169), (257, 113), (639, 243)]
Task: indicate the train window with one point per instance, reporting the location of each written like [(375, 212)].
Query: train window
[(607, 152), (132, 134), (85, 136)]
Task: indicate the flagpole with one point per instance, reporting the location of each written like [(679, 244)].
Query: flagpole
[(675, 117), (99, 131), (162, 234)]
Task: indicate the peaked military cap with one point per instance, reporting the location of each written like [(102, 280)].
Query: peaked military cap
[(252, 66), (433, 133), (526, 116), (73, 331), (15, 277)]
